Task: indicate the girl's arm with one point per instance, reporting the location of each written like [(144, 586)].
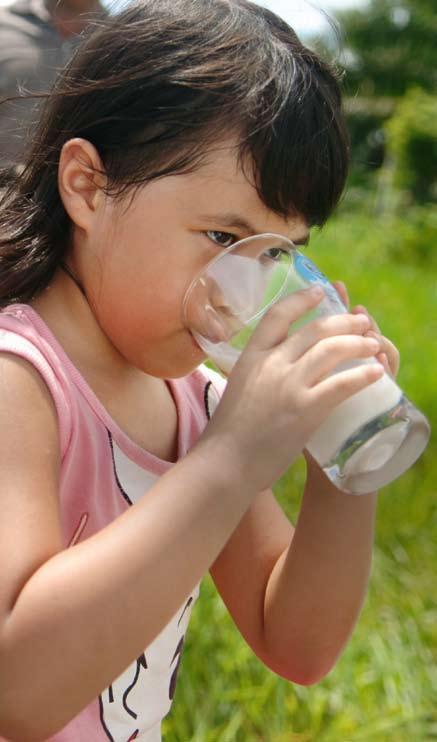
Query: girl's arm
[(295, 595), (72, 620)]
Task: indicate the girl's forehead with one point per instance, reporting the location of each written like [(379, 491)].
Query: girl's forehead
[(224, 163), (219, 177)]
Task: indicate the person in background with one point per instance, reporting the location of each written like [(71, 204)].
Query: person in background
[(37, 38)]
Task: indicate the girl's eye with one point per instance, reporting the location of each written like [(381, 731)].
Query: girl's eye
[(224, 239), (275, 253)]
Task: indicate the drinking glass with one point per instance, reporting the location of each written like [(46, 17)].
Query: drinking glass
[(369, 439)]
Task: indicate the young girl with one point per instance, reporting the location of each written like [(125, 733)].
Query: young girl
[(178, 128)]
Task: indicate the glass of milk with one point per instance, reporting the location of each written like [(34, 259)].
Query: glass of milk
[(368, 440)]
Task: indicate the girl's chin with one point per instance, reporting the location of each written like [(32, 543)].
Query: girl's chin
[(187, 359), (180, 360)]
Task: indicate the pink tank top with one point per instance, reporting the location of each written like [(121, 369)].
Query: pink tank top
[(102, 473)]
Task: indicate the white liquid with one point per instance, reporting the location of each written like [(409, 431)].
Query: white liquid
[(352, 414), (347, 418)]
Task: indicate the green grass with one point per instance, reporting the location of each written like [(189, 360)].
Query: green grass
[(384, 687)]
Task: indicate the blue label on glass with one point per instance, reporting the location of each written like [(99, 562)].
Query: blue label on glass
[(310, 273), (308, 270)]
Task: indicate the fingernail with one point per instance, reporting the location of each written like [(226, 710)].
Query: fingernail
[(373, 342), (379, 368), (363, 317)]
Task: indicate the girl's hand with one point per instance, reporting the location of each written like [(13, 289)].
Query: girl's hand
[(282, 388), (389, 356)]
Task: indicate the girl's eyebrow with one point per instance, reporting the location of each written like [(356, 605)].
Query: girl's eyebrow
[(302, 240), (235, 221), (231, 220)]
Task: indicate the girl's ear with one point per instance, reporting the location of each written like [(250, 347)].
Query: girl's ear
[(80, 181)]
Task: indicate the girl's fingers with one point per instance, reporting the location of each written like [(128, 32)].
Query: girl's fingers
[(342, 291), (337, 324), (382, 358), (389, 355), (325, 357), (360, 309), (275, 325), (339, 387)]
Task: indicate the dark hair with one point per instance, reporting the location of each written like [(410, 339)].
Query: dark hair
[(151, 88)]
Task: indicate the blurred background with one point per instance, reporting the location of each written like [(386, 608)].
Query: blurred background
[(383, 243)]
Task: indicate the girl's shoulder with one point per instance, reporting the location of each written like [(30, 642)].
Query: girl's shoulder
[(24, 335), (23, 332)]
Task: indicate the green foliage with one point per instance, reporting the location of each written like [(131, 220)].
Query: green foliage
[(412, 144), (412, 236), (391, 46), (406, 236), (388, 48), (384, 686), (365, 119)]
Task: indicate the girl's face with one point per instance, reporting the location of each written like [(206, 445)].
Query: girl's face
[(140, 256)]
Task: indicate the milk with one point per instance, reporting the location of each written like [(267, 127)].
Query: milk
[(351, 415), (348, 417)]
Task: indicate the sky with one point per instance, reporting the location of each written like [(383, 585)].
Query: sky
[(307, 16)]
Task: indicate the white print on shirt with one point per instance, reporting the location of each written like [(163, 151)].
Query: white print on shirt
[(140, 697)]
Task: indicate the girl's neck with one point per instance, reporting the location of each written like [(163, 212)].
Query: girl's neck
[(65, 309)]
